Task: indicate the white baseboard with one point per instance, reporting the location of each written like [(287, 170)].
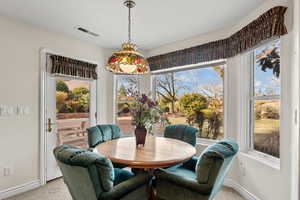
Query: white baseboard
[(19, 189), (240, 189), (35, 184)]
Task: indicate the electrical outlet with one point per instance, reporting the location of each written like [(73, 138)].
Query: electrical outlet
[(243, 168), (10, 110), (243, 171), (2, 110), (7, 171), (26, 110)]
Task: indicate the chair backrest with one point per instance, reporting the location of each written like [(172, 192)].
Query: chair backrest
[(86, 174), (214, 163), (182, 132), (102, 133)]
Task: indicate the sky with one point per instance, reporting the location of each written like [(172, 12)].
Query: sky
[(266, 80), (195, 80)]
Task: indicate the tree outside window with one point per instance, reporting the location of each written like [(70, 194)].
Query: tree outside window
[(193, 97)]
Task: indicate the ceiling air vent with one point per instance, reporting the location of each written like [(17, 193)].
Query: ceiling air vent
[(87, 31)]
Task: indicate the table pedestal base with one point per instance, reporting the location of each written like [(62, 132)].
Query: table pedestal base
[(150, 171)]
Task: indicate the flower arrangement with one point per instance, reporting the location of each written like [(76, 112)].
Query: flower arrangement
[(146, 112)]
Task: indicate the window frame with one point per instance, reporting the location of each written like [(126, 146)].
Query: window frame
[(275, 162), (201, 141)]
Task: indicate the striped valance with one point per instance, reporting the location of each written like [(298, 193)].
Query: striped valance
[(71, 67), (267, 26)]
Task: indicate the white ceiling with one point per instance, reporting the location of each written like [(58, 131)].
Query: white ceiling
[(155, 22)]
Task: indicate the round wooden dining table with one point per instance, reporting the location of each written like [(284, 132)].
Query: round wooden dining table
[(157, 152)]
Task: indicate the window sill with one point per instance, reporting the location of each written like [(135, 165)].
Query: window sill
[(263, 158)]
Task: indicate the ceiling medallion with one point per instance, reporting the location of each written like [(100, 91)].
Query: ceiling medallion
[(128, 60)]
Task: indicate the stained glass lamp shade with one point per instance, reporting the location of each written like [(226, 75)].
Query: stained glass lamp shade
[(128, 61)]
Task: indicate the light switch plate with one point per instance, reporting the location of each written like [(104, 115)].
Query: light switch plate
[(18, 110), (26, 110), (10, 110), (2, 110)]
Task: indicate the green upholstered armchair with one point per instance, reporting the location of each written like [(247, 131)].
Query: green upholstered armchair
[(182, 132), (102, 133), (197, 179), (90, 176)]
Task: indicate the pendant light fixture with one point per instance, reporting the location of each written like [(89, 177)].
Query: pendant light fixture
[(128, 60)]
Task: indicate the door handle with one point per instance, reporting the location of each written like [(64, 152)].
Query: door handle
[(49, 129)]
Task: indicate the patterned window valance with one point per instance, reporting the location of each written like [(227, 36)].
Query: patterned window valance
[(71, 67), (267, 26)]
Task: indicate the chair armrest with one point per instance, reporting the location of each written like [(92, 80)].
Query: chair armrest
[(190, 184), (126, 187), (191, 164)]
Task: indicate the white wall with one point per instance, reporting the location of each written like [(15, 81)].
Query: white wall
[(19, 84), (259, 179), (215, 35), (106, 91)]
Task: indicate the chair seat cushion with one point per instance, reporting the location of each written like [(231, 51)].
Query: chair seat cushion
[(122, 175), (134, 188), (178, 178), (183, 172)]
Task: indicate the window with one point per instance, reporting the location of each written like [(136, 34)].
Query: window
[(193, 97), (126, 88), (265, 99), (72, 111)]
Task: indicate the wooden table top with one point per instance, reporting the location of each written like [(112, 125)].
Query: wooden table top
[(158, 152)]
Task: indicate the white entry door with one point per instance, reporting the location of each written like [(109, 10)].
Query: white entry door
[(70, 109)]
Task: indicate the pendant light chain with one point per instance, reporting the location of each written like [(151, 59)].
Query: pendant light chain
[(129, 24)]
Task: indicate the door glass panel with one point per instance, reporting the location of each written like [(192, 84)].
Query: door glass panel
[(72, 111)]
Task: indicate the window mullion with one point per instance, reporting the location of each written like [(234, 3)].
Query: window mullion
[(270, 97)]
